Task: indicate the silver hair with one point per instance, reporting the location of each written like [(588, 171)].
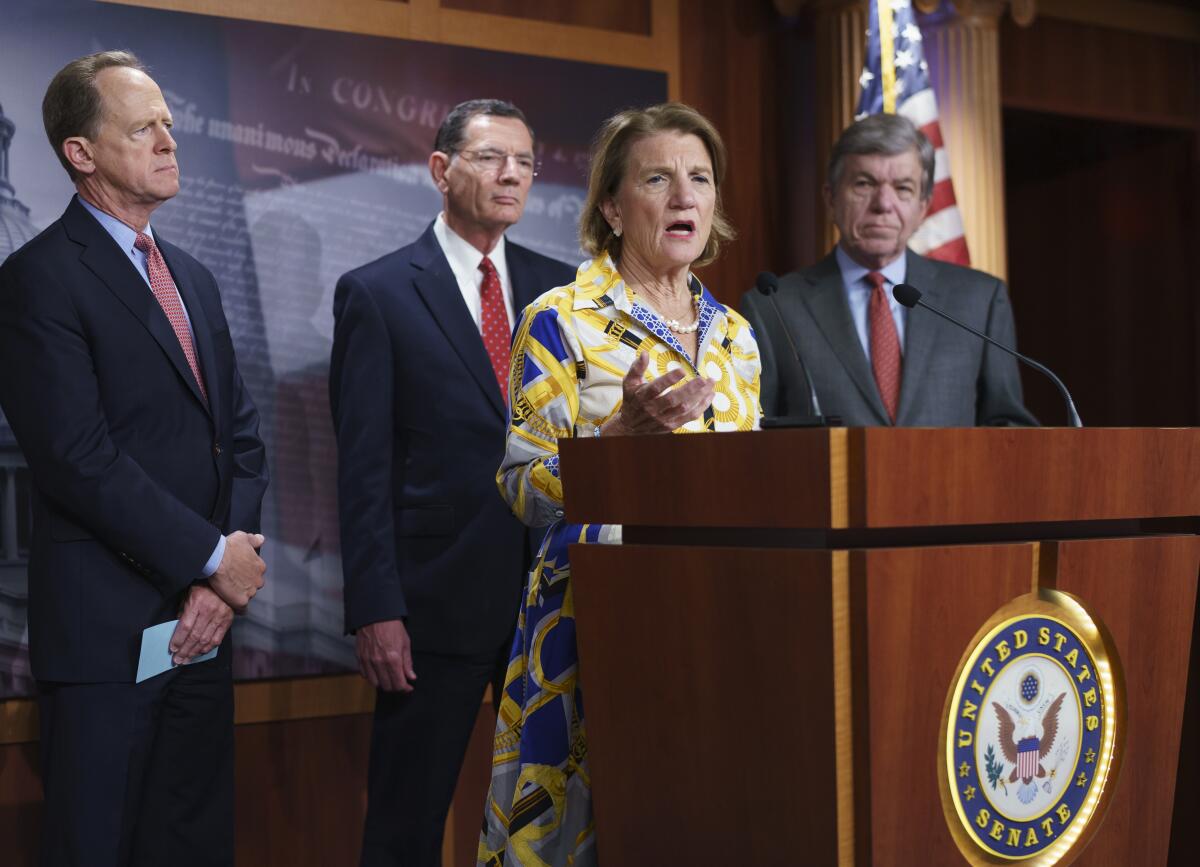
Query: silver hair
[(887, 135)]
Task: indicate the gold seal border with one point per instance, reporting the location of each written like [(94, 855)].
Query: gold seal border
[(1095, 637)]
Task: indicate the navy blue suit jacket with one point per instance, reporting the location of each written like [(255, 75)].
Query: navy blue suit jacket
[(135, 477), (421, 429)]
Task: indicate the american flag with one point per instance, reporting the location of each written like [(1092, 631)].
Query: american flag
[(896, 80)]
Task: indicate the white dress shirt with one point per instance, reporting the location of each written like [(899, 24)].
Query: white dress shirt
[(464, 262)]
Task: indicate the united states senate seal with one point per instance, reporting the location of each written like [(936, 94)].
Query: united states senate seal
[(1032, 733)]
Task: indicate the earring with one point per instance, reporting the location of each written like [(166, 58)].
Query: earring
[(616, 232)]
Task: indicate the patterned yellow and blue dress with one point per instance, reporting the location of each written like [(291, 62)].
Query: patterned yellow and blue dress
[(571, 351)]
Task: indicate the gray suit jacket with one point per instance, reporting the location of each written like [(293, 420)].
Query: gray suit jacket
[(950, 377)]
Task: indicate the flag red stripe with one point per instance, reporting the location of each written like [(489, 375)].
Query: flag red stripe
[(933, 132), (952, 251), (943, 196)]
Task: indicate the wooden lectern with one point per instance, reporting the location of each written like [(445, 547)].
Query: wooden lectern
[(765, 659)]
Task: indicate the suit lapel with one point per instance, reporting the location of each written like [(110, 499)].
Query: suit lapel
[(524, 278), (435, 283), (112, 267), (920, 333), (829, 309)]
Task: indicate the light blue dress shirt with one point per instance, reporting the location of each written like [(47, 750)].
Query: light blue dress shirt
[(858, 294), (125, 236)]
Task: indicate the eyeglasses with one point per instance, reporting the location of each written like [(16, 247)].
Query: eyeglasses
[(489, 161)]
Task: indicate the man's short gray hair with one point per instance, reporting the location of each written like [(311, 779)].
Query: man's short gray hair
[(885, 135), (452, 134)]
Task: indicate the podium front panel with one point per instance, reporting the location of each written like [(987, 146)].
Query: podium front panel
[(711, 681), (708, 690)]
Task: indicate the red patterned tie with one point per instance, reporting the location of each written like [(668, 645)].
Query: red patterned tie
[(163, 287), (493, 323), (885, 345)]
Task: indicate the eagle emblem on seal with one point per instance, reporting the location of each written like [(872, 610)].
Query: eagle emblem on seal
[(1027, 739)]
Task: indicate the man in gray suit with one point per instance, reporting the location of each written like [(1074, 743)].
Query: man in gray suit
[(872, 361)]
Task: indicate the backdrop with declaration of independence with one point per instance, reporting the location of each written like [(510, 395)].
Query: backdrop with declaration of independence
[(302, 154)]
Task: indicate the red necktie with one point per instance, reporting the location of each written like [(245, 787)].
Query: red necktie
[(493, 323), (885, 345), (163, 287)]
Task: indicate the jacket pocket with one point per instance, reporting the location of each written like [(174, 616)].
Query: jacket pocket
[(425, 521)]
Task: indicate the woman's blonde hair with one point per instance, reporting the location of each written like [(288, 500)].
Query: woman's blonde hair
[(610, 153)]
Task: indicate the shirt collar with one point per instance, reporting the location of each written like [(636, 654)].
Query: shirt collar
[(121, 233), (598, 284), (464, 259), (854, 275)]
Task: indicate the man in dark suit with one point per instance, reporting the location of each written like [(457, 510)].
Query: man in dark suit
[(872, 361), (119, 380), (433, 560)]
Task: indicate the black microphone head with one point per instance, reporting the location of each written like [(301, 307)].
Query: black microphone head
[(906, 295), (766, 283)]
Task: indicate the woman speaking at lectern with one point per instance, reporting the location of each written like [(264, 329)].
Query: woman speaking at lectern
[(636, 345)]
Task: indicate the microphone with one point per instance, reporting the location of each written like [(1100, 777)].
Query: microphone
[(910, 296), (768, 284)]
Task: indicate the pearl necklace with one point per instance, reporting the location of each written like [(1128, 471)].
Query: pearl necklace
[(674, 325)]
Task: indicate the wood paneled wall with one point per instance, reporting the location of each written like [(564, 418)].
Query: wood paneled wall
[(730, 71), (20, 803), (1101, 234), (1102, 151), (1070, 68), (627, 17)]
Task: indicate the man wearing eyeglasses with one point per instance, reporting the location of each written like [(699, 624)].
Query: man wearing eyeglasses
[(433, 560)]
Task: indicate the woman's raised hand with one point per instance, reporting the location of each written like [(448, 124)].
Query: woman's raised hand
[(656, 407)]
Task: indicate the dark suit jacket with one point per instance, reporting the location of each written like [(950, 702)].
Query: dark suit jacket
[(134, 477), (421, 430), (950, 377)]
